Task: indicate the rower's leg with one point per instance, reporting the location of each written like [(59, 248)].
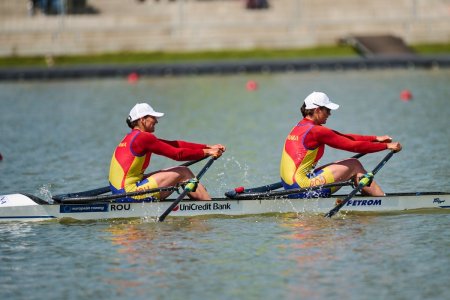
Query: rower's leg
[(200, 193), (373, 190), (172, 176), (352, 169)]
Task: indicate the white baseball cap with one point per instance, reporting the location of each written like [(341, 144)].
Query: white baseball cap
[(141, 110), (318, 99)]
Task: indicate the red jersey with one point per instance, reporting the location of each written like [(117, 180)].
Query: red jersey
[(132, 156), (305, 144)]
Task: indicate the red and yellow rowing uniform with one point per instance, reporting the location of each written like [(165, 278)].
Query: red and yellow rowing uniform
[(305, 145), (132, 157)]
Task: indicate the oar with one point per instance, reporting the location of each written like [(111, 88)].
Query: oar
[(109, 198), (364, 181), (94, 192), (234, 194), (260, 189), (107, 189), (290, 191), (191, 186), (359, 155)]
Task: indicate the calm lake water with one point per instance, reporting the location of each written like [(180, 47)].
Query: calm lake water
[(58, 137)]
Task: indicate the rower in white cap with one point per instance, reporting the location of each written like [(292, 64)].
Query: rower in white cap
[(305, 145), (132, 157)]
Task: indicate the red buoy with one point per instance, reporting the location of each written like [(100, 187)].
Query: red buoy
[(133, 77), (251, 85), (406, 95)]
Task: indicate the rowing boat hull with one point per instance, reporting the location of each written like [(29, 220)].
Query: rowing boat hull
[(19, 207)]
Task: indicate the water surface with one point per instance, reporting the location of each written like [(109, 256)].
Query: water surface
[(58, 137)]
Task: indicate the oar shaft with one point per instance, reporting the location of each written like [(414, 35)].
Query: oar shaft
[(205, 168), (335, 209), (361, 185), (290, 191), (94, 192), (241, 192), (173, 205), (382, 163), (359, 155), (188, 163), (108, 198), (106, 189), (186, 190)]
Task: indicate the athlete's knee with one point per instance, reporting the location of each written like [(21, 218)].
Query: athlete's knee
[(184, 173), (356, 165)]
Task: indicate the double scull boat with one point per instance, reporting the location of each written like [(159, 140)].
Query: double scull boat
[(25, 207)]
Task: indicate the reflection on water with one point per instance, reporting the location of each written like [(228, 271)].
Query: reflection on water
[(322, 252), (306, 236), (252, 257), (128, 272), (149, 252)]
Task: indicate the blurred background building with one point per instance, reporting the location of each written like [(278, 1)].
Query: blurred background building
[(61, 27)]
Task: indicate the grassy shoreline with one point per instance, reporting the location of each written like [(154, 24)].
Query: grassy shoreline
[(177, 57)]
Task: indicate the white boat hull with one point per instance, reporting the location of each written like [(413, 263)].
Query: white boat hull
[(19, 207)]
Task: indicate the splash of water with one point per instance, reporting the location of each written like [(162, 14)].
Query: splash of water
[(45, 193), (232, 170)]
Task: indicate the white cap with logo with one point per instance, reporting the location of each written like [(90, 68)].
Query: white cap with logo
[(318, 99), (141, 110)]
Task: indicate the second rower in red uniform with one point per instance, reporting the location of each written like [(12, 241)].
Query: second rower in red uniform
[(305, 145)]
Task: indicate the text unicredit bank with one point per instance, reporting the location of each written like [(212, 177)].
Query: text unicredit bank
[(205, 206)]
